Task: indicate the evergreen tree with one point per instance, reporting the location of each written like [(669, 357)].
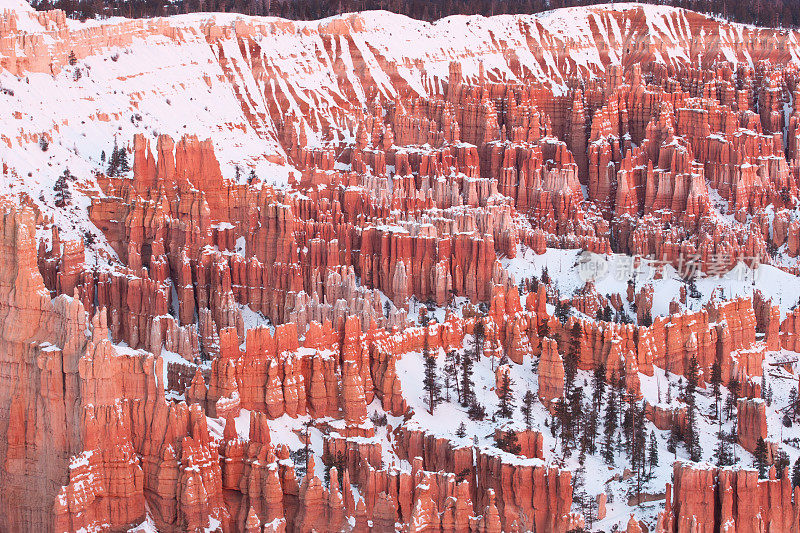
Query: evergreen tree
[(562, 311), (545, 277), (674, 438), (760, 457), (691, 437), (63, 196), (572, 356), (476, 411), (387, 308), (509, 442), (781, 463), (462, 430), (544, 329), (123, 160), (652, 459), (252, 177), (467, 392), (113, 161), (71, 59), (692, 378), (791, 408), (450, 373), (610, 426), (716, 381), (527, 408), (796, 473), (722, 455), (480, 338), (730, 401), (598, 386), (639, 452), (430, 383), (505, 406)]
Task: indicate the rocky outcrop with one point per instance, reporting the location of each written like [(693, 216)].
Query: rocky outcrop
[(551, 373), (706, 498)]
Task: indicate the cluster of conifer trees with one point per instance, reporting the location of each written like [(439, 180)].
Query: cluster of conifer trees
[(776, 13)]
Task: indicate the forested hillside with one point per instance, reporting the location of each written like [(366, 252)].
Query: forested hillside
[(785, 13)]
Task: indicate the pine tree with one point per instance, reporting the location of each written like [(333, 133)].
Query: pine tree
[(674, 437), (796, 473), (450, 373), (652, 459), (387, 308), (123, 160), (791, 409), (545, 277), (113, 161), (476, 411), (509, 442), (63, 196), (692, 378), (544, 329), (722, 455), (72, 60), (760, 457), (527, 408), (251, 177), (462, 430), (716, 381), (480, 337), (505, 406), (467, 392), (691, 437), (781, 463), (430, 383), (610, 426), (572, 356), (562, 311), (730, 401), (639, 454)]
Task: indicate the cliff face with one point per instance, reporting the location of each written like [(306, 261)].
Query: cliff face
[(714, 499)]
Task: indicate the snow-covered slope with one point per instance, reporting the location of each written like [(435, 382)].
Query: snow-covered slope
[(234, 79)]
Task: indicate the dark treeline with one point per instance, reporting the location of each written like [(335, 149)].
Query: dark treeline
[(775, 13)]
